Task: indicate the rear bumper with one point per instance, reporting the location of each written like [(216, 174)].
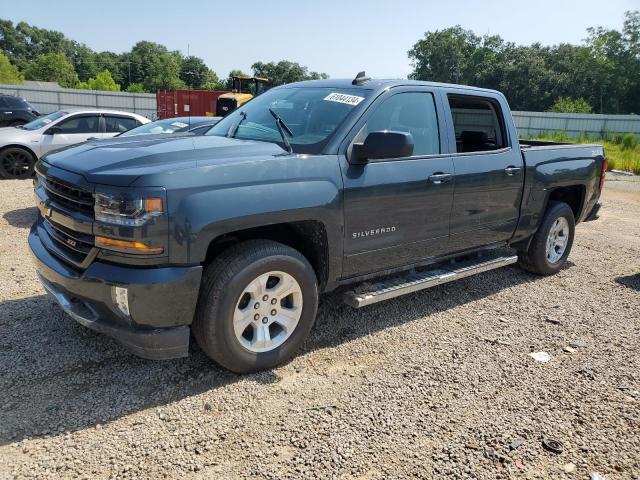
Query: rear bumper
[(593, 215), (161, 301)]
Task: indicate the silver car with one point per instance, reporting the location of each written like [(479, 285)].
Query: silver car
[(22, 146)]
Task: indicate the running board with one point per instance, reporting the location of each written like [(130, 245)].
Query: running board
[(370, 293)]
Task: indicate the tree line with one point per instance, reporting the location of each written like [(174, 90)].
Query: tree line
[(600, 75), (31, 53)]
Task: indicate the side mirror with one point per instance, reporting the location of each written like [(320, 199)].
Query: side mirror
[(385, 144), (53, 130)]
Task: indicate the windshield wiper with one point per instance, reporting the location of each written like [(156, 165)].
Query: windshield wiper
[(234, 126), (282, 128)]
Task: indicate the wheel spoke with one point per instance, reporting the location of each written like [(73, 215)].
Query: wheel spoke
[(288, 318), (241, 321), (284, 288), (258, 287), (262, 337), (562, 241)]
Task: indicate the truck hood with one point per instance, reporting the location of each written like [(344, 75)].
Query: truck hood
[(120, 161)]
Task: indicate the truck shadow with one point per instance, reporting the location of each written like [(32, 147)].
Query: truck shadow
[(630, 281), (22, 217), (58, 376)]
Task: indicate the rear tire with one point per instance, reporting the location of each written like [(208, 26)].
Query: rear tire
[(551, 244), (16, 162), (245, 319)]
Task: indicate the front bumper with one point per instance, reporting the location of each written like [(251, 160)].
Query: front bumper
[(161, 301)]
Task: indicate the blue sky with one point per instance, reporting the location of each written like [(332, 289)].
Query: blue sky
[(336, 37)]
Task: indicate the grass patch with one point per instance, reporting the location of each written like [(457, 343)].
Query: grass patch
[(623, 151)]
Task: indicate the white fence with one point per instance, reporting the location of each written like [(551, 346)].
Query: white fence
[(531, 124), (48, 99)]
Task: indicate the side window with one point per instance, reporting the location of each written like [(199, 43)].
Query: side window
[(3, 103), (119, 124), (478, 124), (79, 124), (412, 112)]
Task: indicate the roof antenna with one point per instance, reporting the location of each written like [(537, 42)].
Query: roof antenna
[(360, 78)]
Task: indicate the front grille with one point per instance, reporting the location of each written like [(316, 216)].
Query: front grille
[(72, 205), (68, 195), (68, 239)]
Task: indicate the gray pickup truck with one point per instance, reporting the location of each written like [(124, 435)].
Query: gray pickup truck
[(378, 188)]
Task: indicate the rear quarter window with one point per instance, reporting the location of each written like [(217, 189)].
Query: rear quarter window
[(478, 123)]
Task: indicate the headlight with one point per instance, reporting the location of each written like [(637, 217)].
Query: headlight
[(125, 209)]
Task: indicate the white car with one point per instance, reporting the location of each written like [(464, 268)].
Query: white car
[(22, 146)]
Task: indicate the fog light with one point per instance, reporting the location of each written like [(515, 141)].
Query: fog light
[(120, 297)]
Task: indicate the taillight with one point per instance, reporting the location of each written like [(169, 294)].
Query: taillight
[(605, 164)]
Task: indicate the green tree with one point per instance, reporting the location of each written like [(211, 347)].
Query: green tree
[(195, 74), (631, 39), (52, 67), (154, 66), (445, 56), (136, 88), (284, 72), (9, 73), (571, 105), (111, 61), (24, 43), (102, 81), (604, 71), (164, 73)]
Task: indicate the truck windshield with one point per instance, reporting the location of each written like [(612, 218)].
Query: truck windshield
[(312, 113)]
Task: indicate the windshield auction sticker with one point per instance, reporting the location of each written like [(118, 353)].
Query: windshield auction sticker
[(342, 98)]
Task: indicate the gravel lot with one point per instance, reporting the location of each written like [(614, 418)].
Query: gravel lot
[(438, 384)]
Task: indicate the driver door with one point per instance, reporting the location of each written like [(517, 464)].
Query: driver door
[(69, 131), (397, 210)]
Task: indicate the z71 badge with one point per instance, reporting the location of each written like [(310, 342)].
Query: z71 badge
[(373, 232)]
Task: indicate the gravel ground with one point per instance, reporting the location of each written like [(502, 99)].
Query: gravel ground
[(438, 384)]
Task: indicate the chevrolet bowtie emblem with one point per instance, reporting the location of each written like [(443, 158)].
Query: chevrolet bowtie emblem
[(44, 210)]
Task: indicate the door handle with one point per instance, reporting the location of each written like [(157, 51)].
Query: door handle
[(511, 170), (440, 177)]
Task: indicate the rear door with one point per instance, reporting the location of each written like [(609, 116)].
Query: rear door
[(70, 130), (396, 211), (489, 170)]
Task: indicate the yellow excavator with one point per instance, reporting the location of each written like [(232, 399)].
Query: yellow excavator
[(243, 89)]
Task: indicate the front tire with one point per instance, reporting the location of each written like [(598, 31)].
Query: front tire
[(257, 304), (16, 163), (551, 244)]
